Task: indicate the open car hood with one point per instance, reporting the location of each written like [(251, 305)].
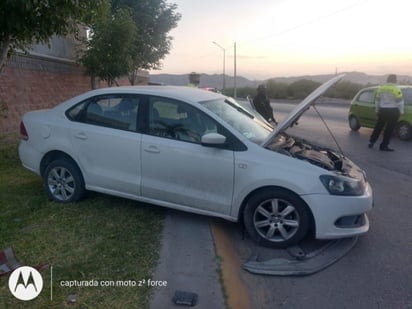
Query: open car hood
[(301, 108)]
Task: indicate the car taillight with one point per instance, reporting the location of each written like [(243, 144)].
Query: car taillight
[(23, 132)]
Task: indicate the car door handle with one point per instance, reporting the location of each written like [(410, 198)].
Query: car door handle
[(152, 149), (81, 135)]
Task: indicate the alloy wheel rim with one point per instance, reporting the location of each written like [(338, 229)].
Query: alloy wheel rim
[(61, 183), (276, 220), (403, 131)]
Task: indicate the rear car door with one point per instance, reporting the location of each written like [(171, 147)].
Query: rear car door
[(176, 168), (107, 145)]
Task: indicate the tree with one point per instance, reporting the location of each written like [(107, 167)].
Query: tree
[(344, 89), (154, 19), (24, 22), (301, 88), (276, 90), (108, 54)]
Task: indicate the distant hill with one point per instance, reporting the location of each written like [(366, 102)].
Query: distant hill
[(354, 77), (215, 80)]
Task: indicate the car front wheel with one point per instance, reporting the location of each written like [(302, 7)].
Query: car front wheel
[(404, 131), (354, 123), (276, 218), (64, 181)]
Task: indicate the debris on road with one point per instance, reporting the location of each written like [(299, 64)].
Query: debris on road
[(302, 263)]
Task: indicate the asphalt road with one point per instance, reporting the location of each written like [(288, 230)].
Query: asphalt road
[(377, 272)]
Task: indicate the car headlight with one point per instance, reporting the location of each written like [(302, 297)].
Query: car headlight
[(341, 185)]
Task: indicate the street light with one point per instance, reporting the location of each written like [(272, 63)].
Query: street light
[(224, 57)]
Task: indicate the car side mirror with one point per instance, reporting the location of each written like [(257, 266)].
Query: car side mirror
[(213, 140)]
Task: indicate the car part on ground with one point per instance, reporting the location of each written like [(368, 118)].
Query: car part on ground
[(302, 263), (185, 298)]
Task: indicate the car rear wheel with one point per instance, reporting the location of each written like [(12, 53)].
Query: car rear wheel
[(276, 218), (404, 131), (64, 181), (354, 123)]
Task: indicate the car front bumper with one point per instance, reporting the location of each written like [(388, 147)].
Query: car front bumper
[(340, 216)]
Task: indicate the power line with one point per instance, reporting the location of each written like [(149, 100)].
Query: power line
[(304, 24)]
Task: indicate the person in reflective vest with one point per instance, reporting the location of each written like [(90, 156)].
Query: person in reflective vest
[(389, 105)]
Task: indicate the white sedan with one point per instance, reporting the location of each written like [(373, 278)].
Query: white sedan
[(201, 152)]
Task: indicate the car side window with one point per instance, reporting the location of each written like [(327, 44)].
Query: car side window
[(367, 96), (407, 96), (115, 111), (178, 120)]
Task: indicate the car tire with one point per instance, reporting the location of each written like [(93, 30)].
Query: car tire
[(354, 123), (64, 181), (404, 131), (276, 218)]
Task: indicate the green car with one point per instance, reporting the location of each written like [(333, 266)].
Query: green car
[(362, 112)]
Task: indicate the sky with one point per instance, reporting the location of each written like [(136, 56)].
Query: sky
[(279, 38)]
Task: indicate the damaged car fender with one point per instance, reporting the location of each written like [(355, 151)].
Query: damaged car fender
[(252, 174)]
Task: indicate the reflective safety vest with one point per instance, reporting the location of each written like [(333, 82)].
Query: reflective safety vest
[(391, 89), (389, 96)]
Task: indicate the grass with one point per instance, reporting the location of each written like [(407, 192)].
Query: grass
[(102, 238)]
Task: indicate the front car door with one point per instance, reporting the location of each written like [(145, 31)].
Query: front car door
[(176, 168)]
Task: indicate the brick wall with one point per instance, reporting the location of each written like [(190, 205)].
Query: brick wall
[(31, 82)]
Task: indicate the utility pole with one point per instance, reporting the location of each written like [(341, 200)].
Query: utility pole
[(224, 57), (234, 74)]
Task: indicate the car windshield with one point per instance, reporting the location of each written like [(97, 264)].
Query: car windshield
[(239, 119)]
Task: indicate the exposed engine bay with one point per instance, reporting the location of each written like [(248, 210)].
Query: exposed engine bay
[(316, 155)]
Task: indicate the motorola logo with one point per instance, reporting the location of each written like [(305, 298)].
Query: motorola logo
[(25, 283)]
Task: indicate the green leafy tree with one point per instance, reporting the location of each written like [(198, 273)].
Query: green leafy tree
[(108, 54), (301, 88), (154, 19), (276, 90), (24, 22), (242, 92), (344, 90)]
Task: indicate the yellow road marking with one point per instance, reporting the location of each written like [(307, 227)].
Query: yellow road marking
[(236, 291)]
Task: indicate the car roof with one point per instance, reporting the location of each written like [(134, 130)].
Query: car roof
[(183, 93), (179, 92), (407, 94), (374, 87)]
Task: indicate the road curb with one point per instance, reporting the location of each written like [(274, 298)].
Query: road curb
[(187, 262), (236, 292)]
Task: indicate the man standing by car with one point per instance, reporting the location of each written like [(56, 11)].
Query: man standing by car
[(389, 105), (262, 104)]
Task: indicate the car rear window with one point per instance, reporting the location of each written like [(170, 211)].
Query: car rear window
[(407, 95)]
